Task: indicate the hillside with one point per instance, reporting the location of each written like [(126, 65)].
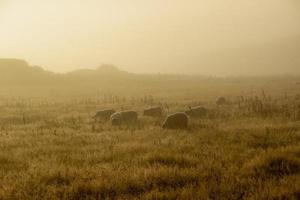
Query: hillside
[(15, 72), (18, 77)]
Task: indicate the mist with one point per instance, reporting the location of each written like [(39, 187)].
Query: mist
[(209, 37), (149, 99)]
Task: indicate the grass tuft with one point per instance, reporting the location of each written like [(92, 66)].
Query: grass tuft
[(274, 164)]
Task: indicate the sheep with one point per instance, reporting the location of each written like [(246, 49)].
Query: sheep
[(124, 117), (104, 115), (153, 112), (196, 112), (176, 121)]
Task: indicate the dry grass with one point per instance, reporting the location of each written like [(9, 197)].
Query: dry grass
[(56, 151)]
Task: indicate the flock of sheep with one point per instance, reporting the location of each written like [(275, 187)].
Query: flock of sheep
[(177, 120)]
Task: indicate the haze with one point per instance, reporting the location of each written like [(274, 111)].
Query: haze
[(211, 37)]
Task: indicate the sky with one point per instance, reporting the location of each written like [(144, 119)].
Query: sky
[(209, 37)]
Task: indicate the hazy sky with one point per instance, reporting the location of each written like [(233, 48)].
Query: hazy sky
[(189, 36)]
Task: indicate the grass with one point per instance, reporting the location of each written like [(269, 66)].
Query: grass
[(275, 166), (58, 152)]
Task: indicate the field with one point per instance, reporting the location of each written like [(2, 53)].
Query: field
[(51, 148)]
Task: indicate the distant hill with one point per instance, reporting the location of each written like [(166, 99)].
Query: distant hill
[(18, 72), (17, 77), (102, 73)]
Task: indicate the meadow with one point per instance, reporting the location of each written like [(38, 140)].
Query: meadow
[(52, 148)]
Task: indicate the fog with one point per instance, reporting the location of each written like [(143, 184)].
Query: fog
[(209, 37)]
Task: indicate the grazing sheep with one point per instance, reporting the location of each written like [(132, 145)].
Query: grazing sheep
[(196, 112), (104, 115), (176, 121), (221, 101), (123, 117), (153, 112)]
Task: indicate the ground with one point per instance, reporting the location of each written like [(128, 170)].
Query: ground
[(55, 150)]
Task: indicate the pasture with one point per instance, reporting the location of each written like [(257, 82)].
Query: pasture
[(52, 148)]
